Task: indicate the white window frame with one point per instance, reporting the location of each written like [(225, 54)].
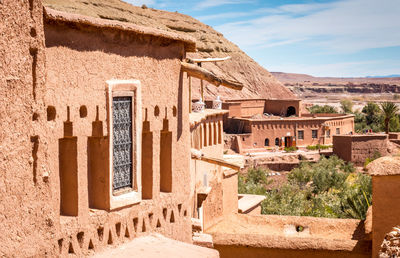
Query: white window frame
[(128, 88)]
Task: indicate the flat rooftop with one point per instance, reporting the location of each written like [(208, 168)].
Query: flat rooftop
[(262, 117), (156, 246), (291, 232)]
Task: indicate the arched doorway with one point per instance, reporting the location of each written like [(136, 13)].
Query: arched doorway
[(276, 141), (291, 111), (266, 142)]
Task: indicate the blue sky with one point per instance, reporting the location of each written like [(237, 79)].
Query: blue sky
[(341, 38)]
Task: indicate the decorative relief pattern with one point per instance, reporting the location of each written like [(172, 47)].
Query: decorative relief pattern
[(122, 142)]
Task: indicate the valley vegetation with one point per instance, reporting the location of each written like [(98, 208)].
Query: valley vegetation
[(329, 188), (373, 116)]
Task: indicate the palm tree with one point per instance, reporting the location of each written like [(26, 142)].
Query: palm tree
[(389, 110)]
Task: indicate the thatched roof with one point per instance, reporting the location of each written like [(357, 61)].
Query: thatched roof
[(58, 16)]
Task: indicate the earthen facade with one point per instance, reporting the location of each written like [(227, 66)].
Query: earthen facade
[(267, 124), (357, 148)]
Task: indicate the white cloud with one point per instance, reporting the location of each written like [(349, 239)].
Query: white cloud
[(339, 69), (342, 26), (222, 16), (213, 3)]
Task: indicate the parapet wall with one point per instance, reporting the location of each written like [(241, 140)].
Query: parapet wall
[(357, 148), (290, 236)]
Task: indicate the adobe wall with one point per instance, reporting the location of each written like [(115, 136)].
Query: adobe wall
[(279, 107), (205, 174), (385, 174), (234, 108), (244, 235), (357, 148), (257, 131), (79, 62), (386, 211), (245, 251), (394, 136), (248, 107), (342, 147), (345, 126), (271, 130), (27, 221)]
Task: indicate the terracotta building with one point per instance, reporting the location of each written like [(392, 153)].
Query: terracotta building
[(95, 139), (264, 124), (98, 148)]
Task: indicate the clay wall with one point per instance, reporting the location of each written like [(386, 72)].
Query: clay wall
[(264, 129), (394, 136), (230, 192), (290, 236), (342, 147), (206, 175), (234, 108), (338, 126), (357, 148), (27, 221), (80, 59), (386, 211), (280, 107), (260, 130), (248, 107)]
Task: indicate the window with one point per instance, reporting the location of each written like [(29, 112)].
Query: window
[(300, 135), (328, 133), (266, 142), (337, 130), (124, 115), (276, 141), (122, 142), (314, 134)]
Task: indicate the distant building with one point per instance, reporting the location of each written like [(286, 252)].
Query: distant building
[(265, 124)]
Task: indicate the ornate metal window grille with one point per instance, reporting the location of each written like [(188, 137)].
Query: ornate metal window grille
[(122, 142)]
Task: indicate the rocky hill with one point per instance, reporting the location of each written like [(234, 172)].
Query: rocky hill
[(303, 84), (258, 82)]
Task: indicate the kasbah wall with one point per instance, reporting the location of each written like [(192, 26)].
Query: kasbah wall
[(24, 188), (357, 148), (79, 61)]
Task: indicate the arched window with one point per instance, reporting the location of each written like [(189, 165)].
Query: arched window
[(266, 143), (291, 111), (276, 141)]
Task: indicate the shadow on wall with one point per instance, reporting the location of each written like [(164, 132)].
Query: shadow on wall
[(147, 160), (68, 168), (98, 163), (111, 41)]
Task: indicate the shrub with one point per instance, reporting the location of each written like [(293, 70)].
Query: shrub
[(328, 188), (347, 106), (290, 149), (254, 182), (318, 147), (315, 109)]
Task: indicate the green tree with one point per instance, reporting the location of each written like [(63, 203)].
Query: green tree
[(317, 109), (347, 106), (373, 116), (394, 124), (389, 110)]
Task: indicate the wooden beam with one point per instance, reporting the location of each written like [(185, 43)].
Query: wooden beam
[(219, 162), (201, 60), (204, 74)]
